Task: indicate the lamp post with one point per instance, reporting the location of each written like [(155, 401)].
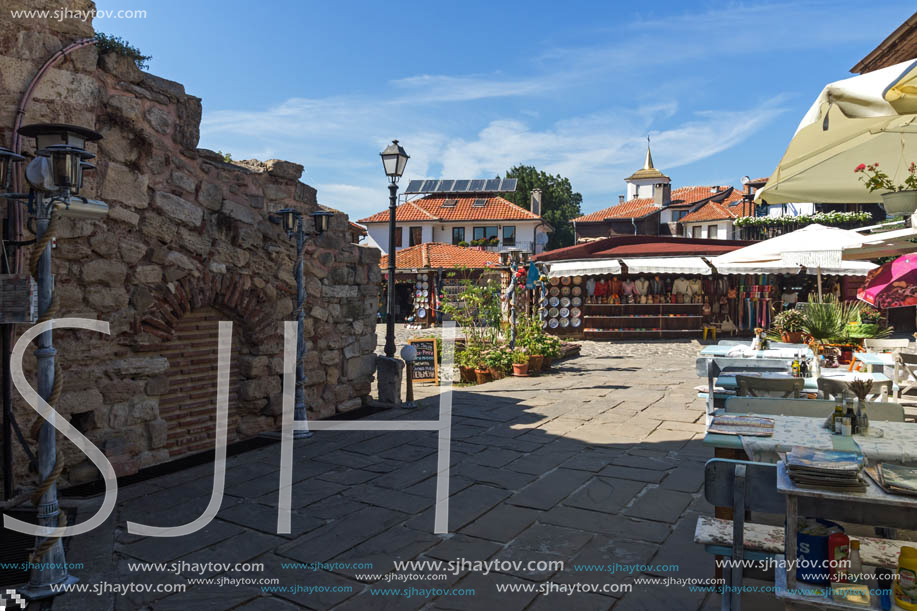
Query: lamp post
[(292, 222), (7, 159), (514, 258), (409, 355), (394, 159), (55, 177)]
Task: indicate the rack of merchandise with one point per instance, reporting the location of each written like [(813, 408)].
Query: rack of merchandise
[(638, 320)]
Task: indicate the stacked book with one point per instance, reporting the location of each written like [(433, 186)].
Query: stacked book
[(894, 479), (825, 469)]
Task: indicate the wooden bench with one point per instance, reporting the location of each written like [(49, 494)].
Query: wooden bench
[(750, 486)]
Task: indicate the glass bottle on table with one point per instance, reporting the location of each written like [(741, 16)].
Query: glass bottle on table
[(837, 418), (849, 413), (854, 563)]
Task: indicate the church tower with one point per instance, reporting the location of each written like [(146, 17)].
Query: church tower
[(643, 182)]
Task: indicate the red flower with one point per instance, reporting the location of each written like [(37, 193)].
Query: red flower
[(860, 167)]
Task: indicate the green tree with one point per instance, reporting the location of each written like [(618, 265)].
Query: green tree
[(559, 202)]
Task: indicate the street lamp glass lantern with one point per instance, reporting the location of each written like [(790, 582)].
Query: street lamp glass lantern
[(394, 160), (288, 219), (321, 219), (65, 146), (7, 159)]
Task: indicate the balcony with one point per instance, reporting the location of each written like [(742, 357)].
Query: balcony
[(771, 227), (523, 245)]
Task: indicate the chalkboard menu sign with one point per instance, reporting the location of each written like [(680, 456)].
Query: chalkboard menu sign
[(425, 365)]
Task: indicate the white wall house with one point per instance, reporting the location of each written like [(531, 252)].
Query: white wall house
[(455, 220)]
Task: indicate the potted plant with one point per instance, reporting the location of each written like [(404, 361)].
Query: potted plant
[(466, 360), (481, 373), (495, 363), (897, 198), (520, 363), (463, 244), (789, 325), (494, 241), (551, 351)]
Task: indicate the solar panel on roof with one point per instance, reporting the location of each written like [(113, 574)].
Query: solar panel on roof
[(476, 185), (414, 186), (492, 185), (460, 185), (428, 186), (509, 185), (445, 186)]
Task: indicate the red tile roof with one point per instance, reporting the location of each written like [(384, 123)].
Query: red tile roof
[(665, 249), (639, 208), (432, 209), (726, 209), (439, 255)]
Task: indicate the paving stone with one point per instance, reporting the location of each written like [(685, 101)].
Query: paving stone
[(464, 507), (333, 507), (615, 525), (552, 539), (165, 549), (461, 546), (604, 555), (502, 523), (591, 460), (656, 597), (486, 595), (605, 494), (644, 462), (337, 537), (638, 475), (494, 457), (546, 492), (532, 565), (349, 477), (537, 463), (660, 504), (213, 596), (239, 549), (689, 477), (579, 601), (264, 518), (408, 453), (390, 499), (692, 560), (382, 551), (304, 493), (319, 599), (504, 478)]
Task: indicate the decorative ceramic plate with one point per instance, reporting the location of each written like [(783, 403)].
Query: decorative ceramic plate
[(575, 322), (554, 290), (420, 285), (565, 290), (565, 280), (577, 290), (575, 312), (576, 301), (577, 279), (419, 293), (544, 323), (564, 313), (553, 312), (565, 302), (543, 312), (421, 313), (426, 285), (423, 276), (553, 323), (425, 293), (565, 322), (553, 302), (554, 282)]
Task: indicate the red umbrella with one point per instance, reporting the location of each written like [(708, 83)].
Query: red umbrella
[(893, 285)]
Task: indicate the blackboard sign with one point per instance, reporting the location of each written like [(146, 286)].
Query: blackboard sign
[(425, 365)]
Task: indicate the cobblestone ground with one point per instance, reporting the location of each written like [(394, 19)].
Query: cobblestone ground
[(598, 463)]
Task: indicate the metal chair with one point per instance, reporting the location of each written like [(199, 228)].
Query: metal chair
[(906, 379), (886, 345), (753, 386)]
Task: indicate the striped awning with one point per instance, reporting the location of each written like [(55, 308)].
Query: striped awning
[(591, 267), (667, 265)]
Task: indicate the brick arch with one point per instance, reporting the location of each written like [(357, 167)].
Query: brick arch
[(224, 292)]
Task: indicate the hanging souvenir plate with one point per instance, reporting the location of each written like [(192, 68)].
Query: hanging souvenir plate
[(564, 313), (425, 293), (553, 312), (423, 276), (565, 290), (575, 322), (543, 313), (576, 301), (575, 312), (565, 302), (555, 282), (565, 280), (421, 313), (577, 290), (553, 301), (419, 293), (544, 323), (577, 279), (426, 285), (554, 290), (419, 285), (564, 322), (553, 323)]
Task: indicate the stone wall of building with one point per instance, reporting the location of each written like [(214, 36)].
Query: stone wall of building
[(186, 232)]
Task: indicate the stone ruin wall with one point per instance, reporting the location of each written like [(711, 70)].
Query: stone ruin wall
[(187, 234)]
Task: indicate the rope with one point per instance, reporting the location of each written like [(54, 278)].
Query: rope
[(38, 249)]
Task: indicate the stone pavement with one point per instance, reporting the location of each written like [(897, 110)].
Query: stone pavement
[(600, 462)]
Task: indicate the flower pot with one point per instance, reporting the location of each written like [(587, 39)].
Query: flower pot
[(792, 337), (482, 376), (466, 374), (900, 202), (520, 369), (535, 363), (496, 373)]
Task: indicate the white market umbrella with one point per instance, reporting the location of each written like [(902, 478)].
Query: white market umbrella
[(864, 119)]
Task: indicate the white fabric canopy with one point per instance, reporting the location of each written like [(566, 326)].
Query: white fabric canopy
[(864, 119), (591, 267), (667, 265), (814, 247)]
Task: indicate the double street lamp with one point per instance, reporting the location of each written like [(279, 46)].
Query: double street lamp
[(394, 159), (292, 222)]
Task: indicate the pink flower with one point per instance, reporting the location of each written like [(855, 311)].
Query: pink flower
[(860, 167)]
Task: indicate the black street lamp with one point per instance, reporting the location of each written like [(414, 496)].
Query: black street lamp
[(394, 159), (292, 222)]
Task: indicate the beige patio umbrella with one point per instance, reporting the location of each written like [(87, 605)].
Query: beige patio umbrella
[(865, 119)]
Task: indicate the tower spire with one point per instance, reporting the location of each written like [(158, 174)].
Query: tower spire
[(648, 162)]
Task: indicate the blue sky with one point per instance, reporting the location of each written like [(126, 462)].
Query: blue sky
[(472, 88)]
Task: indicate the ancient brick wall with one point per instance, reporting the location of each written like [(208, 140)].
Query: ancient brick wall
[(188, 236)]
